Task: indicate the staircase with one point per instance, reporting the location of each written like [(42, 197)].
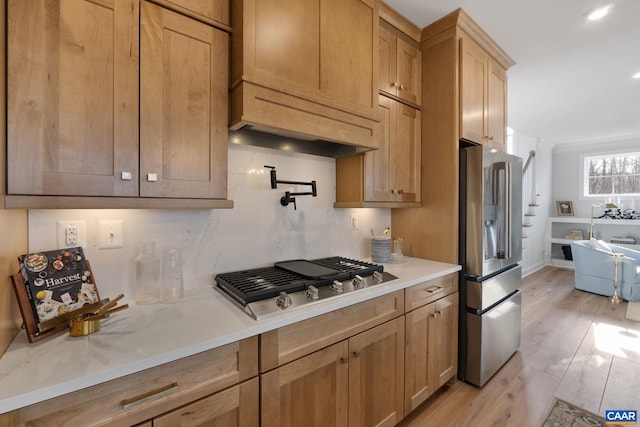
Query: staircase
[(529, 194)]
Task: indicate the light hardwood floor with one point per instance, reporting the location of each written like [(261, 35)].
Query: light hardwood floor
[(575, 345)]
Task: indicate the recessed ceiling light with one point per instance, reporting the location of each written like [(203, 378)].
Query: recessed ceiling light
[(597, 13), (637, 75)]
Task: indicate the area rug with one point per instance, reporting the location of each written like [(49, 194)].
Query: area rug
[(633, 311), (563, 414)]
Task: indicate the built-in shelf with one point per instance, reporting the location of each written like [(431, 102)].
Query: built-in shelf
[(604, 228)]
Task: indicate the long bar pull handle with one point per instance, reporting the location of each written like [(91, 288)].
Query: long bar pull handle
[(507, 209), (149, 395), (434, 289), (502, 200)]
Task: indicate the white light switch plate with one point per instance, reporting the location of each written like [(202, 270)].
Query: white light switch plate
[(110, 234)]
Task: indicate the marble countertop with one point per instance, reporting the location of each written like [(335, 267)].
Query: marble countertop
[(145, 336)]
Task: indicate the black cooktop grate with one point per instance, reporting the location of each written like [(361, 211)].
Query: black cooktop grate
[(261, 283), (351, 266)]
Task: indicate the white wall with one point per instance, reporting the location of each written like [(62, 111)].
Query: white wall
[(533, 257), (256, 232), (567, 177), (567, 172)]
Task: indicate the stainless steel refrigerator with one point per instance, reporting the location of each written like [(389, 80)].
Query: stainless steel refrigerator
[(490, 251)]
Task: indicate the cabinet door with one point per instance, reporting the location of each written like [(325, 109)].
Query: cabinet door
[(379, 181), (473, 86), (376, 375), (497, 106), (409, 71), (310, 391), (392, 173), (72, 97), (388, 65), (183, 106), (417, 381), (444, 347), (406, 153), (234, 407)]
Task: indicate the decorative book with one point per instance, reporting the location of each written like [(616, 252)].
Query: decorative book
[(52, 287)]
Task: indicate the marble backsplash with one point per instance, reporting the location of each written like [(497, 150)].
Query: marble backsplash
[(256, 232)]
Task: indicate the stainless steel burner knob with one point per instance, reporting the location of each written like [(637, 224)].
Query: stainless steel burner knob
[(283, 301), (377, 277), (336, 287), (312, 293), (358, 282)]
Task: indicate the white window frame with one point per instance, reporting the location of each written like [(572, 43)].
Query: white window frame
[(584, 182)]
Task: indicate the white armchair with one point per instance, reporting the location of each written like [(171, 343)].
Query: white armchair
[(594, 269)]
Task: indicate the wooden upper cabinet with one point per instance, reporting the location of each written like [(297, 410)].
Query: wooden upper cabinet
[(183, 106), (483, 96), (497, 105), (72, 97), (390, 175), (116, 98), (400, 66), (307, 68)]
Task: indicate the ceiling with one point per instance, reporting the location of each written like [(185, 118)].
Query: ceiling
[(572, 82)]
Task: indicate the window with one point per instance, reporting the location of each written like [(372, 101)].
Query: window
[(612, 175)]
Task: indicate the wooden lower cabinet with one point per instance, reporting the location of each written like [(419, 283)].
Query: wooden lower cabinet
[(356, 382), (310, 391), (445, 340), (234, 407), (376, 369), (431, 353), (210, 385)]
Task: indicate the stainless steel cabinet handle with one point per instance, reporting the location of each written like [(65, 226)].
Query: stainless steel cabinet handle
[(434, 289), (356, 354), (149, 395)]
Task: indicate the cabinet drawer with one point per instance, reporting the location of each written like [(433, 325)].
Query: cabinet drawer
[(235, 406), (429, 291), (293, 341), (145, 394)]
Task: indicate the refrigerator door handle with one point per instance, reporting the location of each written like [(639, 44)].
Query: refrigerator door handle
[(507, 209), (502, 200)]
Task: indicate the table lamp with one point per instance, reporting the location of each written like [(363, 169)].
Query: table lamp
[(602, 205)]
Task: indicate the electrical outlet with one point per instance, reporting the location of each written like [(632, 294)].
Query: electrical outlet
[(72, 233), (354, 222)]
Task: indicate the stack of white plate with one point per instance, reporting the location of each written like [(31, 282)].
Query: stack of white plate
[(380, 249)]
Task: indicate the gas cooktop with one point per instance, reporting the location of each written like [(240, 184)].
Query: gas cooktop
[(288, 285)]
